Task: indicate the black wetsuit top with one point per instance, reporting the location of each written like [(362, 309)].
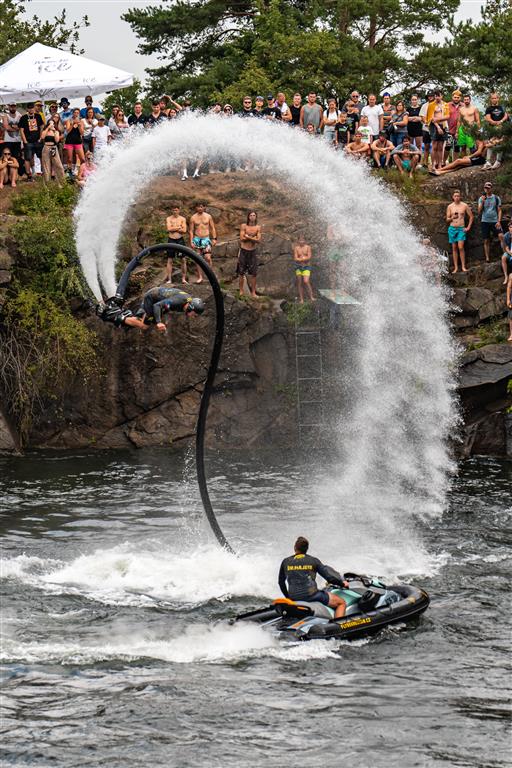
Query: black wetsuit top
[(300, 573), (158, 301)]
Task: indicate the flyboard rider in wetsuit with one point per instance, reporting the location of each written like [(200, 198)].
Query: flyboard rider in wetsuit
[(156, 302), (300, 571)]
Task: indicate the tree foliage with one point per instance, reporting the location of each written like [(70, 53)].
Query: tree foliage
[(218, 49), (18, 32)]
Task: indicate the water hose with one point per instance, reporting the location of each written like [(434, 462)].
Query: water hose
[(212, 370)]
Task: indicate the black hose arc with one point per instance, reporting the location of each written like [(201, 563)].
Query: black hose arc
[(212, 370)]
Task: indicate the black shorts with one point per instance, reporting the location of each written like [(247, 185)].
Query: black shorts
[(414, 130), (489, 228), (426, 138), (247, 263), (179, 241), (29, 150), (476, 161)]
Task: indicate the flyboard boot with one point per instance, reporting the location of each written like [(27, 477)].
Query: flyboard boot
[(112, 312)]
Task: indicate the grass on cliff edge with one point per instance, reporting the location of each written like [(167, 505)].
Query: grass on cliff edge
[(43, 345)]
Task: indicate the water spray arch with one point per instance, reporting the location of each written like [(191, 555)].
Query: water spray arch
[(397, 427)]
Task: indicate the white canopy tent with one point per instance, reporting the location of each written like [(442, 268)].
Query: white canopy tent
[(47, 73)]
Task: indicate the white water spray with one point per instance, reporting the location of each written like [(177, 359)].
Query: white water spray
[(393, 434)]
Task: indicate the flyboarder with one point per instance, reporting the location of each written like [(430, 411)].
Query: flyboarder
[(156, 302)]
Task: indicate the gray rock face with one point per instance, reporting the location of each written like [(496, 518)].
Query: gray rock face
[(9, 442)]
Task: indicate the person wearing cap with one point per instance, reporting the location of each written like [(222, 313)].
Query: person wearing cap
[(30, 126), (271, 112), (12, 136), (490, 212), (66, 111), (88, 104), (425, 126), (311, 113), (453, 120), (101, 135), (381, 150)]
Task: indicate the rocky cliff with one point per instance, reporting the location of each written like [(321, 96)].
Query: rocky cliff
[(147, 389)]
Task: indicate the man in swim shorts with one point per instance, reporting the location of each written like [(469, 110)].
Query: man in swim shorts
[(469, 116), (202, 236), (176, 226), (247, 266), (456, 214), (406, 156), (297, 579), (302, 266)]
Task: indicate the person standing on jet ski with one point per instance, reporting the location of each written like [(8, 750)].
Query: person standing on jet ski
[(297, 579)]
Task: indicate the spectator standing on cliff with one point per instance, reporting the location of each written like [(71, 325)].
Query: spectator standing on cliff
[(311, 113), (453, 120), (302, 262), (341, 131), (101, 136), (495, 116), (330, 119), (506, 259), (89, 104), (456, 213), (271, 111), (247, 265), (353, 118), (373, 111), (11, 124), (425, 127), (356, 102), (30, 126), (414, 122), (469, 117), (365, 130), (203, 235), (286, 115), (137, 120), (387, 112), (397, 126), (438, 129), (489, 210), (176, 226), (296, 109)]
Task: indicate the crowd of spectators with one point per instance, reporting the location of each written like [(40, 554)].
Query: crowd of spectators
[(436, 134)]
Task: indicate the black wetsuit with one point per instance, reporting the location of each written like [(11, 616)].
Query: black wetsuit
[(300, 573), (158, 301)]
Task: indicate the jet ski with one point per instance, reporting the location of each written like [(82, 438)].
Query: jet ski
[(371, 606)]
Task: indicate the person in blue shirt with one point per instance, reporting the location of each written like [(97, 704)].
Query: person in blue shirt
[(66, 111), (88, 103), (489, 209)]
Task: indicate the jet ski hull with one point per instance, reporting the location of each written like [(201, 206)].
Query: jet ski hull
[(302, 621)]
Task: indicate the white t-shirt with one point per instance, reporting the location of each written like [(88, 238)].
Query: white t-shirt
[(366, 133), (373, 114), (423, 115), (101, 133)]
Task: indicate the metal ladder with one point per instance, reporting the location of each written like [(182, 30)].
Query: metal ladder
[(309, 376)]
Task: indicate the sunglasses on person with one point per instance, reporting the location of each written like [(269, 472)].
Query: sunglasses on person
[(227, 109)]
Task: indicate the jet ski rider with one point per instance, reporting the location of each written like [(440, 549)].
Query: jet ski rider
[(300, 571)]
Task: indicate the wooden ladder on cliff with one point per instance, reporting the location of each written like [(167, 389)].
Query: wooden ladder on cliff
[(309, 376)]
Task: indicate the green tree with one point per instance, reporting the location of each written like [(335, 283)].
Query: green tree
[(222, 48), (18, 33)]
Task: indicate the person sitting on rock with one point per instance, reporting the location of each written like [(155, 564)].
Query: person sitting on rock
[(358, 148), (406, 156), (506, 259), (156, 302), (381, 150), (469, 161)]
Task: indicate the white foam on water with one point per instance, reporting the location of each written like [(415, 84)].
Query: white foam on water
[(199, 643)]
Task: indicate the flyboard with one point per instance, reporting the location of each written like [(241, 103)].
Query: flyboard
[(371, 605)]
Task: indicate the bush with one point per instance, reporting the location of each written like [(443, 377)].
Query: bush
[(42, 199), (42, 348)]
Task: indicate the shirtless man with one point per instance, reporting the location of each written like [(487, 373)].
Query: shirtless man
[(250, 236), (381, 150), (302, 264), (468, 117), (457, 230), (176, 226), (202, 236), (358, 148)]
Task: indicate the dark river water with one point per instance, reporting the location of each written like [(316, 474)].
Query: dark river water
[(116, 651)]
